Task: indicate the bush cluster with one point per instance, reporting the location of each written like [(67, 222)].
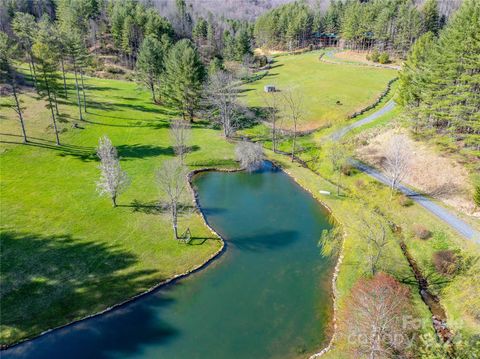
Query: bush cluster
[(445, 262), (421, 231), (379, 57)]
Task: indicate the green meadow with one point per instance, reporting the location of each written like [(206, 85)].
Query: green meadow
[(321, 85)]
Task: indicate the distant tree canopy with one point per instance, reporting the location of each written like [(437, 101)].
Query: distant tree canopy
[(288, 26), (440, 82), (391, 25)]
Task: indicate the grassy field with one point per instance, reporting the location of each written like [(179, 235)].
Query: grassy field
[(321, 85), (66, 252)]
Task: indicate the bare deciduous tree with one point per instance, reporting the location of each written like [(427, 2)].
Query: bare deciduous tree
[(250, 155), (271, 101), (223, 97), (294, 110), (171, 179), (180, 133), (113, 180), (375, 232), (338, 155), (375, 318), (397, 160)]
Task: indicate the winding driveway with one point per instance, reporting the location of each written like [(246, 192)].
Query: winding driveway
[(445, 215)]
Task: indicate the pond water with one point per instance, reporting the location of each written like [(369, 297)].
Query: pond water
[(267, 296)]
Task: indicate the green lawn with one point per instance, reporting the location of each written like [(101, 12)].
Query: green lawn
[(321, 86), (66, 252)]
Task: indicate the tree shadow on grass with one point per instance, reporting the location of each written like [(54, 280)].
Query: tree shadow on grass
[(50, 280), (155, 207), (127, 152), (83, 153)]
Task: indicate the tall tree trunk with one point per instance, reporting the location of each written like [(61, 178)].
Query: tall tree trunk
[(51, 108), (56, 103), (31, 73), (35, 83), (78, 90), (294, 140), (152, 89), (19, 111), (274, 134), (174, 220), (114, 201), (190, 114), (83, 91), (64, 79)]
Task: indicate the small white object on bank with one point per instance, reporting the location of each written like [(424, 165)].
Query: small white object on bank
[(324, 192)]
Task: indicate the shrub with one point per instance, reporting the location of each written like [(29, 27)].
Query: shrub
[(384, 58), (405, 201), (445, 262), (476, 195), (360, 183), (347, 169), (375, 57), (421, 232), (115, 70)]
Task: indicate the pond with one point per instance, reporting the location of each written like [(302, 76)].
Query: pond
[(267, 296)]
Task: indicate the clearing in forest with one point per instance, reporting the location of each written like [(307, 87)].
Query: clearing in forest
[(330, 92)]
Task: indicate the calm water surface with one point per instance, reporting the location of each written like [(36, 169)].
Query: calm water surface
[(267, 296)]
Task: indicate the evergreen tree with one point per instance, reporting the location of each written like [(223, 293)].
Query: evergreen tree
[(229, 43), (156, 25), (431, 17), (149, 65), (76, 51), (242, 44), (46, 56), (447, 94), (7, 74), (25, 28), (183, 78), (199, 32), (414, 75)]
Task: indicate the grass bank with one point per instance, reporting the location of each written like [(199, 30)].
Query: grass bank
[(66, 253)]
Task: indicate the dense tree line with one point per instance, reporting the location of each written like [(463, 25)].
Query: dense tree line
[(391, 25), (169, 58), (440, 82)]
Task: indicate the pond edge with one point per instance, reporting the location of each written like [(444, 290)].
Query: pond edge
[(209, 260), (336, 270), (160, 284)]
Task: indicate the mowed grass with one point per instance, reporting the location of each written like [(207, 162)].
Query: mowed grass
[(66, 253), (321, 85)]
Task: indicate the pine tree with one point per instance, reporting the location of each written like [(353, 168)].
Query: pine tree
[(183, 78), (46, 55), (75, 49), (149, 65), (7, 73), (441, 83), (25, 28), (415, 71), (431, 17)]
